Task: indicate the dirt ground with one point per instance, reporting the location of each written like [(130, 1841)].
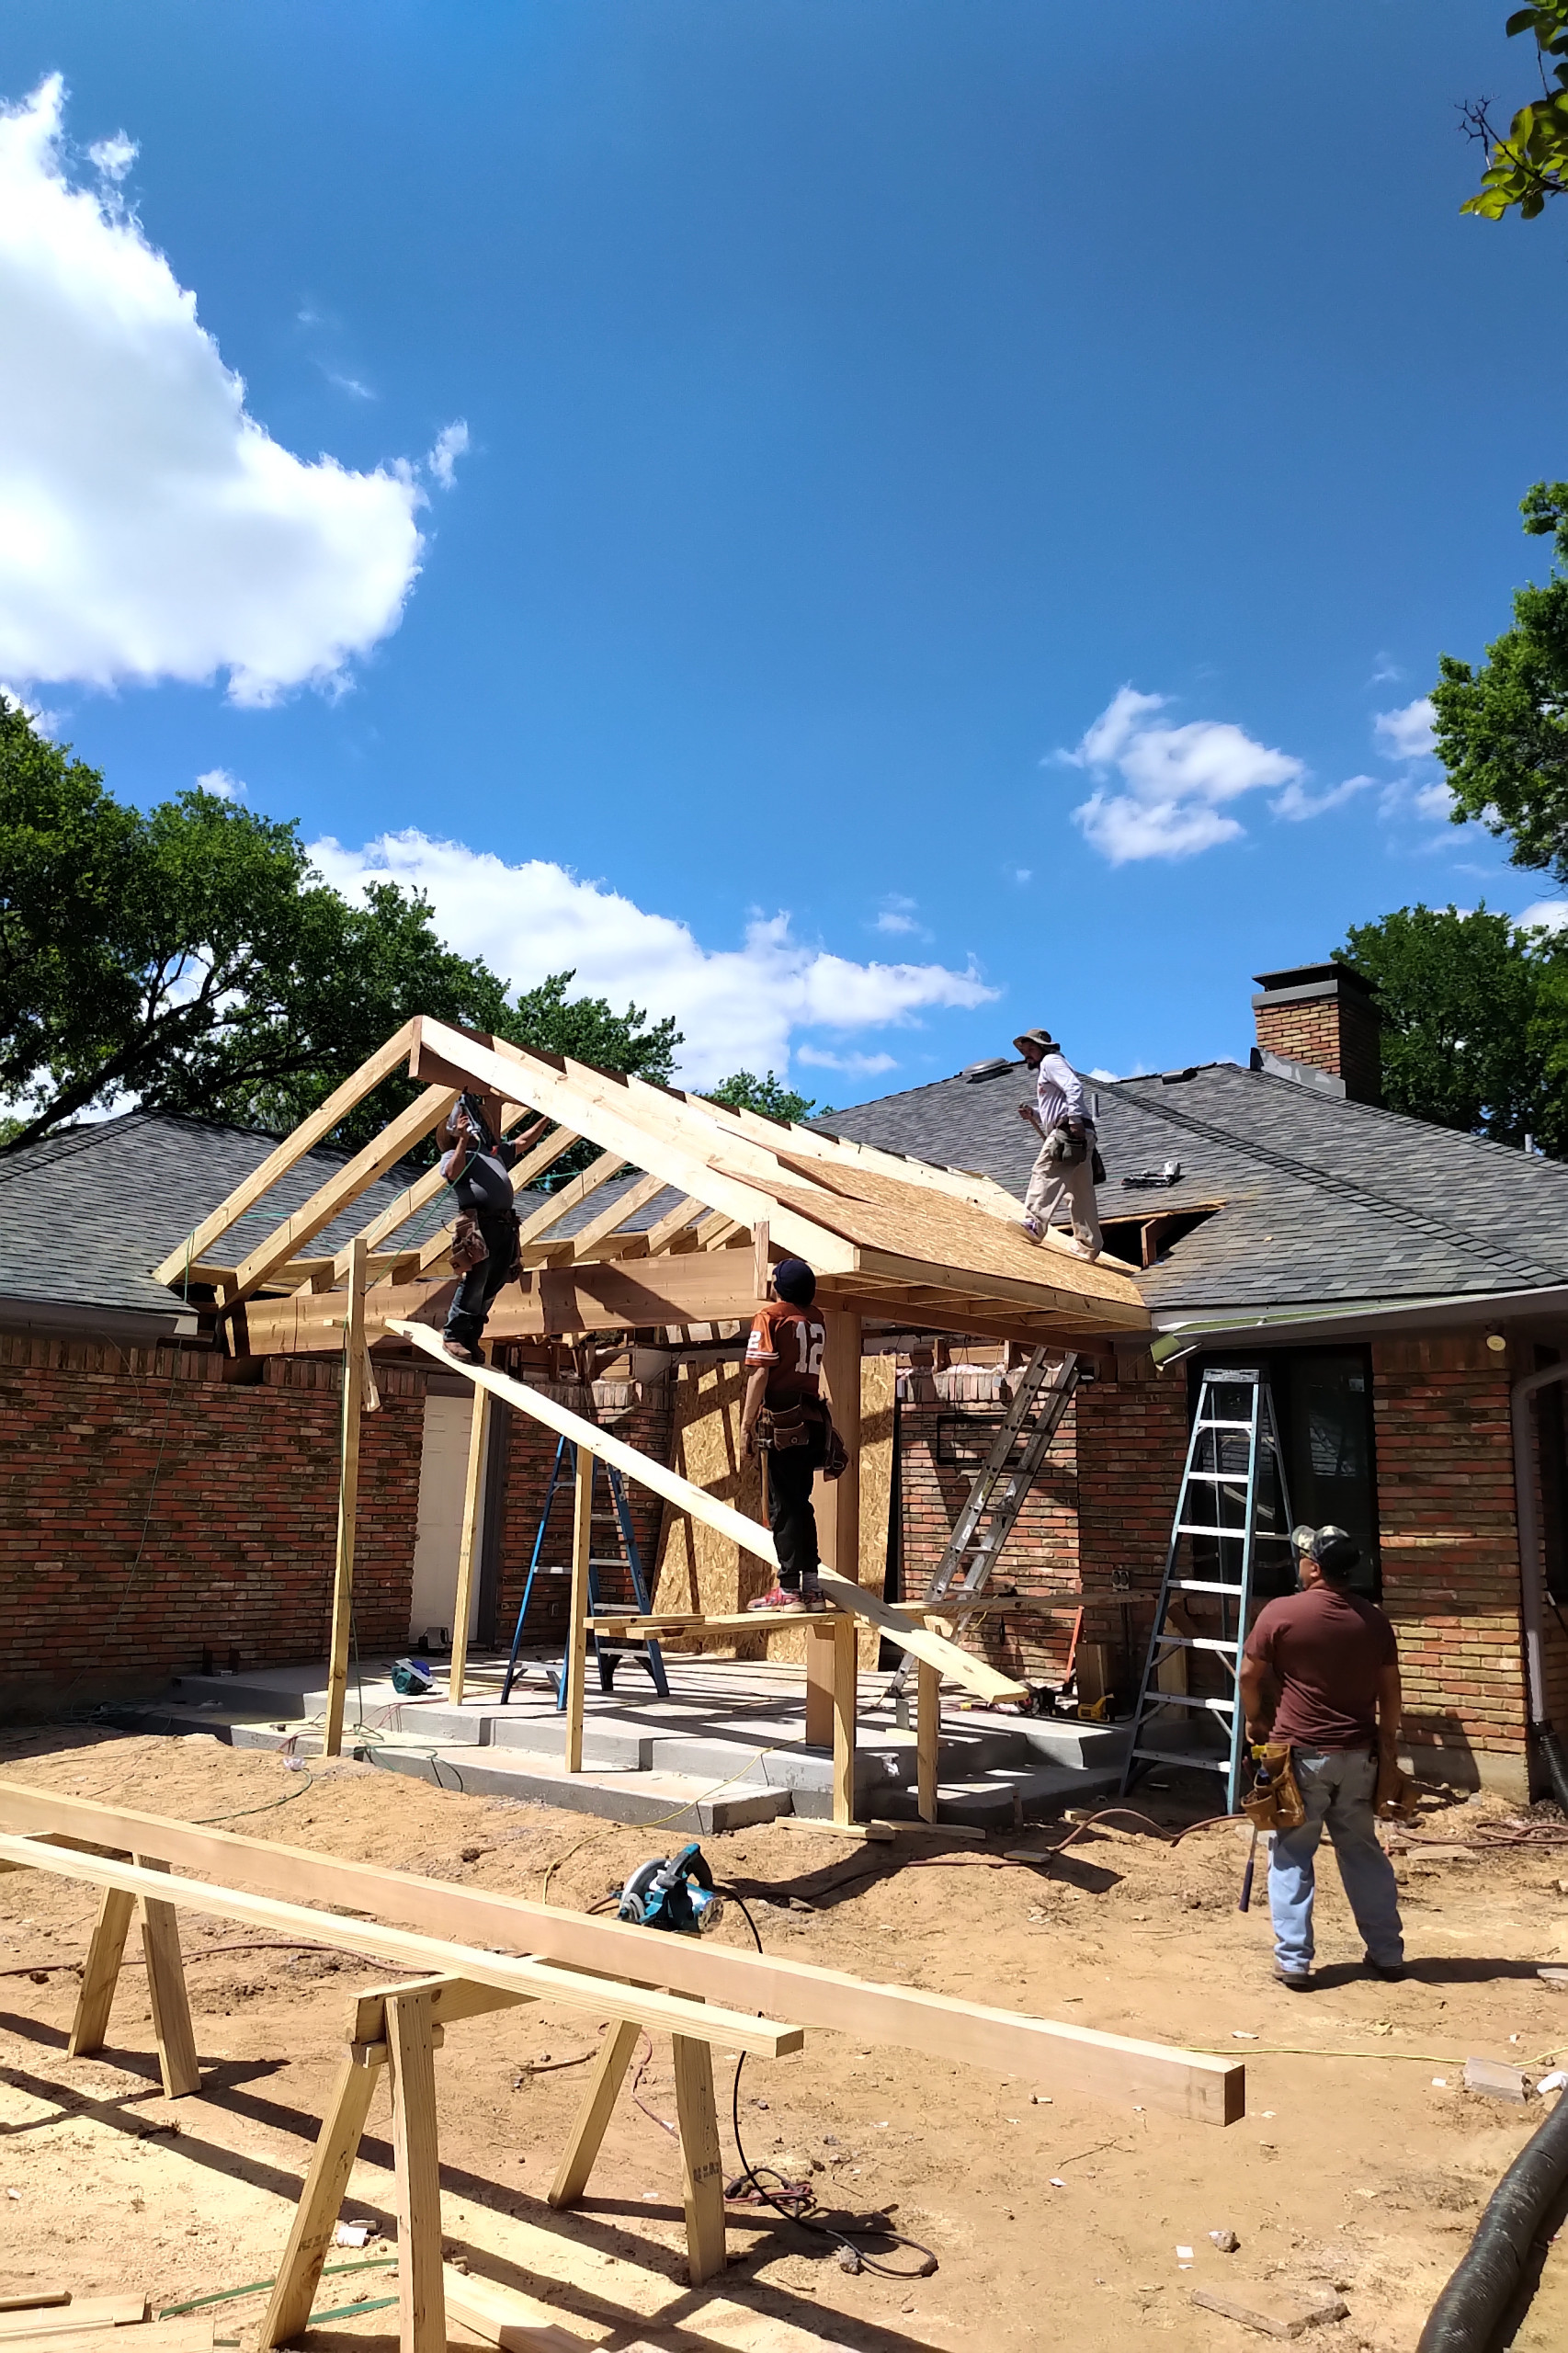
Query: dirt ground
[(1057, 2219)]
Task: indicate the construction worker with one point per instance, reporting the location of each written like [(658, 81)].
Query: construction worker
[(1319, 1675), (784, 1416), (1066, 1166), (484, 1248)]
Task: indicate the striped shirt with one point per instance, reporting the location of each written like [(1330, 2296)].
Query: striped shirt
[(1059, 1091)]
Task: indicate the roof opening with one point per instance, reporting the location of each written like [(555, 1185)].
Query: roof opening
[(1141, 1238), (992, 1069)]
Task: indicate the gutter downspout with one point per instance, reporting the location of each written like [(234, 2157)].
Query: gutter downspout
[(1531, 1605)]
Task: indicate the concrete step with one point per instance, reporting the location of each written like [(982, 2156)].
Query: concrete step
[(989, 1804), (676, 1800)]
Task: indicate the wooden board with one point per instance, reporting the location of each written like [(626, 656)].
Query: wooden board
[(87, 2313), (976, 1674), (1189, 2083), (192, 2333), (428, 1954)]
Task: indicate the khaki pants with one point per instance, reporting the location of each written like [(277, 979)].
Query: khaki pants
[(1055, 1182)]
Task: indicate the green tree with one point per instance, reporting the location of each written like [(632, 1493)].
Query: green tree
[(1529, 162), (1475, 1021), (191, 957), (746, 1092), (1502, 731)]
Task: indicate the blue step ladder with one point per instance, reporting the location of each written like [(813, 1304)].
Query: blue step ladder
[(627, 1562)]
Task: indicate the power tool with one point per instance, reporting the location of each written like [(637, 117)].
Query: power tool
[(675, 1893)]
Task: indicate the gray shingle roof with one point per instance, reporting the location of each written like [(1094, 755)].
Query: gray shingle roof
[(1324, 1200)]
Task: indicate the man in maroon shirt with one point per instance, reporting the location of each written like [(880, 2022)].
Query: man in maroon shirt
[(1321, 1673)]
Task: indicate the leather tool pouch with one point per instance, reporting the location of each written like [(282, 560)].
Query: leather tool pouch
[(1275, 1802), (1061, 1145), (835, 1455), (469, 1249), (782, 1427), (1097, 1171)]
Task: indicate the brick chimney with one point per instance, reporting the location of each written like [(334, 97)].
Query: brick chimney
[(1322, 1016)]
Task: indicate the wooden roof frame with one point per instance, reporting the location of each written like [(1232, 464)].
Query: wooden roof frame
[(892, 1239)]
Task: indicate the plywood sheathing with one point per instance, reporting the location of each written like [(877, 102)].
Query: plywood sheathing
[(699, 1568)]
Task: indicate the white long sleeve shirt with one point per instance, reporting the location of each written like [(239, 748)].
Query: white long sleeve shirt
[(1059, 1092)]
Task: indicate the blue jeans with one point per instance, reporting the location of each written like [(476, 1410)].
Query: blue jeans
[(1338, 1787)]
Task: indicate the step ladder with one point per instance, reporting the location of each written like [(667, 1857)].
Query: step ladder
[(1044, 1392), (627, 1566), (1232, 1516)]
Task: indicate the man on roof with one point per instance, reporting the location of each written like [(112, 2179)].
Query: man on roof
[(484, 1246), (785, 1415), (1068, 1162)]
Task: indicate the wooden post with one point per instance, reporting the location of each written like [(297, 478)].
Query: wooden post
[(165, 1987), (347, 1500), (837, 1508), (927, 1736), (421, 2314), (100, 1973), (577, 1624), (321, 2200), (846, 1663), (593, 2117), (701, 2160), (467, 1547)]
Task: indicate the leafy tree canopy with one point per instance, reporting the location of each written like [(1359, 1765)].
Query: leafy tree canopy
[(1529, 162), (746, 1092), (1502, 731), (190, 957), (1475, 1021)]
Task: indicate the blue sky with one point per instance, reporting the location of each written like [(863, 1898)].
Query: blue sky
[(859, 397)]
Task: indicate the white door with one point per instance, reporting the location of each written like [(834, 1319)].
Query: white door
[(443, 1474)]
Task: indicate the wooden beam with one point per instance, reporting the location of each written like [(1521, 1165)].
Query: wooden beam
[(599, 1229), (975, 1674), (304, 1138), (429, 1955), (593, 2117), (468, 1542), (701, 2160), (348, 1502), (421, 2309), (928, 1738), (1192, 2083), (577, 1620), (101, 1973), (320, 2202), (326, 1202)]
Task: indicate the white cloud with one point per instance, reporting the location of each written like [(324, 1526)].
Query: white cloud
[(1296, 802), (1551, 913), (1023, 874), (149, 527), (44, 721), (739, 1007), (853, 1065), (451, 443), (1386, 672), (219, 782), (112, 158), (1407, 733), (1177, 779)]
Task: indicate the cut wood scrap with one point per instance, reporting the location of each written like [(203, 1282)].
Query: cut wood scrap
[(1271, 2310), (87, 2313), (517, 2323), (973, 1673), (1196, 2085), (190, 2334), (18, 2300), (428, 1954)]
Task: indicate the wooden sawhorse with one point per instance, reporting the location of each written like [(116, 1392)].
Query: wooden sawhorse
[(166, 1983), (400, 2027)]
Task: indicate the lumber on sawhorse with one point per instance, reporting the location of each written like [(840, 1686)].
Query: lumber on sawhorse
[(1187, 2083), (975, 1674)]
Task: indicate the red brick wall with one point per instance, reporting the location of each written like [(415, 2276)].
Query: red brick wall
[(1339, 1034), (1449, 1544), (642, 1415), (149, 1509)]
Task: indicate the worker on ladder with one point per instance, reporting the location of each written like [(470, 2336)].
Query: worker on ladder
[(484, 1246), (785, 1415), (1068, 1166)]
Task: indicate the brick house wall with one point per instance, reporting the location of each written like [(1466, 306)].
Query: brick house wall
[(149, 1509), (640, 1413)]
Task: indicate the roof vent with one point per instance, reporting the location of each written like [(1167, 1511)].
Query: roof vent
[(1176, 1077), (992, 1069)]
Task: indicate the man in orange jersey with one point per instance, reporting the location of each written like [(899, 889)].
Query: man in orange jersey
[(784, 1414)]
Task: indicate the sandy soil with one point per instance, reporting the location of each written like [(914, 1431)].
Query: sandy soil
[(1057, 2220)]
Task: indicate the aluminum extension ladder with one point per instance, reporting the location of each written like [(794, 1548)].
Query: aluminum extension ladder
[(1000, 1485), (628, 1561), (1222, 1518)]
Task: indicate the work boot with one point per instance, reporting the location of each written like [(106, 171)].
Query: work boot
[(1392, 1973), (1295, 1980), (783, 1597), (1089, 1250)]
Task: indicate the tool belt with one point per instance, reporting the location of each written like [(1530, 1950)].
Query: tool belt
[(784, 1427), (469, 1249), (1274, 1803)]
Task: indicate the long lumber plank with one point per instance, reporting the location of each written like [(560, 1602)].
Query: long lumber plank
[(987, 1682), (294, 1147), (1189, 2083), (431, 1955)]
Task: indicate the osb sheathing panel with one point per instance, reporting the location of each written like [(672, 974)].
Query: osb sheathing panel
[(700, 1569)]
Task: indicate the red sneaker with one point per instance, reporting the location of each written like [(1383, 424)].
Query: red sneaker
[(781, 1597)]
